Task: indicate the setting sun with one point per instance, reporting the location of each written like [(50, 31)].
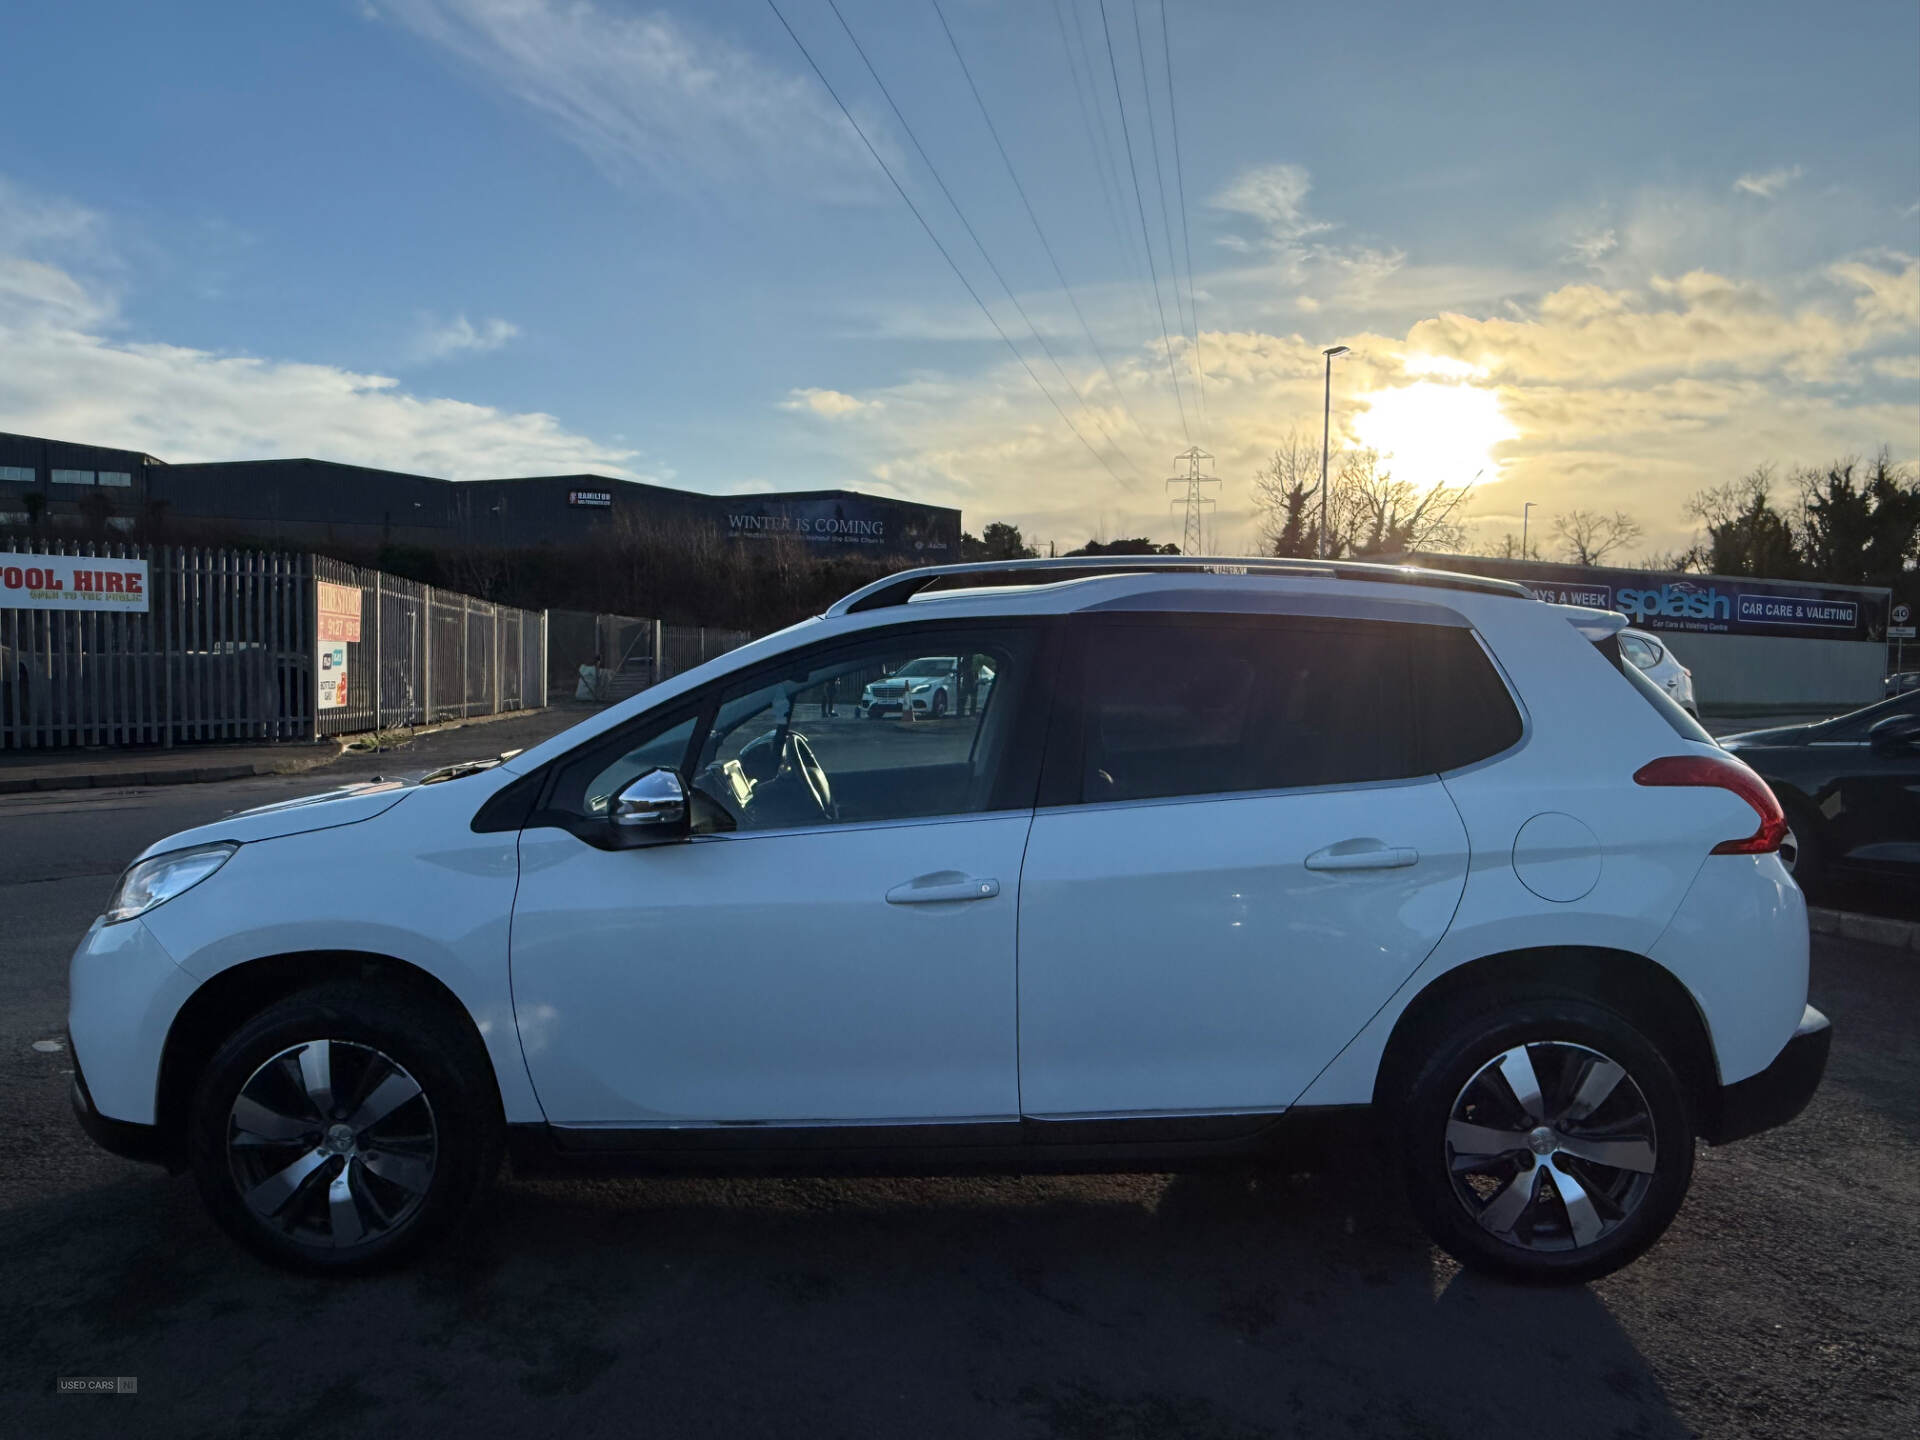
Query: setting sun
[(1434, 433)]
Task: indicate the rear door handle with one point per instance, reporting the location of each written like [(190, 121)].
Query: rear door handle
[(1363, 855), (942, 886)]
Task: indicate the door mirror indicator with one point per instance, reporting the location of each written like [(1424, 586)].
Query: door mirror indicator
[(651, 810)]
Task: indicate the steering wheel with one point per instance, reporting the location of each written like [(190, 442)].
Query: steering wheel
[(798, 752)]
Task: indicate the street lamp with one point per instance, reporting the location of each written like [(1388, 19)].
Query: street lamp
[(1524, 509), (1326, 432)]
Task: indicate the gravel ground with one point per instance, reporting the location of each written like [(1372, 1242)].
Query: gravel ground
[(1235, 1304)]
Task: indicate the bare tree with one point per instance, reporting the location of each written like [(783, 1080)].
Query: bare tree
[(1509, 547), (1587, 537), (1283, 491), (1375, 514)]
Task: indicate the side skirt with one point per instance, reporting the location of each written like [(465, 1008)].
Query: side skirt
[(967, 1147)]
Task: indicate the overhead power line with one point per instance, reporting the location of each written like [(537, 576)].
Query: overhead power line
[(1159, 178), (945, 254), (974, 235), (1106, 166), (1133, 170), (1038, 229), (1186, 236)]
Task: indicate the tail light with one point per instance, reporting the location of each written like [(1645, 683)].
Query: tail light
[(1723, 772)]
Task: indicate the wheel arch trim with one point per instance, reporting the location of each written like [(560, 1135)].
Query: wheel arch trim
[(237, 992)]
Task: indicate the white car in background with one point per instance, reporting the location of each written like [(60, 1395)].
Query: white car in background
[(927, 686), (1661, 666)]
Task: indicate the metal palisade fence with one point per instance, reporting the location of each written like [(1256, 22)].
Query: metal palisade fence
[(108, 644), (424, 654)]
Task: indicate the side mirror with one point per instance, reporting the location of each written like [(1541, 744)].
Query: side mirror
[(650, 810), (1896, 732)]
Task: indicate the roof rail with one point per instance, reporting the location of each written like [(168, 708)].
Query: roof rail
[(899, 589)]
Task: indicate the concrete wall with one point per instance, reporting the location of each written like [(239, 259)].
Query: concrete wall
[(1759, 673)]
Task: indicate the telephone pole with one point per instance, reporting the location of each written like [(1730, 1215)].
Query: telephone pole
[(1192, 537)]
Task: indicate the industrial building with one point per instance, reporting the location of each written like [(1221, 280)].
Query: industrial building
[(60, 484), (1755, 646)]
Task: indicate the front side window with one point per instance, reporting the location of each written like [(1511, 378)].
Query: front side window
[(898, 726), (893, 728), (1199, 709)]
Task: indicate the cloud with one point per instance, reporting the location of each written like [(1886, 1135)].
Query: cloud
[(1890, 298), (1634, 396), (1768, 183), (437, 340), (1593, 246), (1276, 196), (648, 97), (1698, 323), (833, 404), (70, 372)]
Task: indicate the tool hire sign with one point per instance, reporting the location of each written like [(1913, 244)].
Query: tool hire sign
[(72, 582)]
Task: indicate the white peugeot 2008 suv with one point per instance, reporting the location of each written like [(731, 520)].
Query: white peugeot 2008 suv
[(1228, 847)]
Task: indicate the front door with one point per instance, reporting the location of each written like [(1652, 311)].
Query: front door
[(1240, 865), (837, 947)]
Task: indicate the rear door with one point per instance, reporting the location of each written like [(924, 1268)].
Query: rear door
[(1236, 862)]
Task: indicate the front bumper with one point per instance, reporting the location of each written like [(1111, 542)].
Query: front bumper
[(146, 1143), (1779, 1092)]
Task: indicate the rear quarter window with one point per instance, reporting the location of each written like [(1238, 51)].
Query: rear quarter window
[(1668, 709), (1463, 711)]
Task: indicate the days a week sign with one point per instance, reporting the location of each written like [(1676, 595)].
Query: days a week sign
[(72, 582)]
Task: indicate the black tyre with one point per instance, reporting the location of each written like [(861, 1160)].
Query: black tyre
[(939, 704), (344, 1128), (1544, 1139)]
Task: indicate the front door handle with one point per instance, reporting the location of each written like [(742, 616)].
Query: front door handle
[(942, 886), (1364, 854)]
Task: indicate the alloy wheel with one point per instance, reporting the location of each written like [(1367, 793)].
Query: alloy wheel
[(1551, 1146), (332, 1143)]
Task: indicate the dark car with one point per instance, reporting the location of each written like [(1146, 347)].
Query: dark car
[(1902, 682), (1850, 787)]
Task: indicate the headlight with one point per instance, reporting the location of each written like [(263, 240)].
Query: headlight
[(921, 689), (156, 881)]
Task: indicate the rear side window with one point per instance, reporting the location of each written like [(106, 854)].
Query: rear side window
[(1463, 710), (1186, 709)]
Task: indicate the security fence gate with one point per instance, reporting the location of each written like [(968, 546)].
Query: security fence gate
[(104, 644)]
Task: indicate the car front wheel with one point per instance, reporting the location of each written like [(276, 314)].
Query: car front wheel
[(343, 1129), (1545, 1141)]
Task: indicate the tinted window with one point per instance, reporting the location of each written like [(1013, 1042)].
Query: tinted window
[(1463, 709), (1203, 709)]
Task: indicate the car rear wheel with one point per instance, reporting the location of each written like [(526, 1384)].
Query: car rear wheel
[(1545, 1141), (343, 1129)]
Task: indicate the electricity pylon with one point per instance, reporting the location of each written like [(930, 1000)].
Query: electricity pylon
[(1193, 536)]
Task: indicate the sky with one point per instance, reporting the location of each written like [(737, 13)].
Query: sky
[(1586, 257)]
